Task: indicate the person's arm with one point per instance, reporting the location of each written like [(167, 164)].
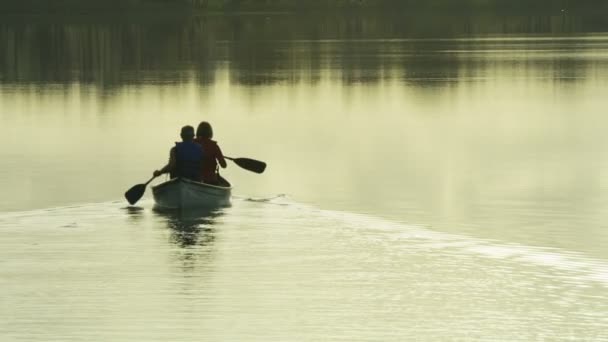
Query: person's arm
[(170, 165), (220, 157)]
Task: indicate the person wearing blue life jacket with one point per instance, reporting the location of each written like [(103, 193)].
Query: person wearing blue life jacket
[(185, 158)]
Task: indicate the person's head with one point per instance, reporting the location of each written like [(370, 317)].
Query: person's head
[(204, 130), (187, 133)]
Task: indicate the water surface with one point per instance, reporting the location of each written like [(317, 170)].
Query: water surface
[(425, 181)]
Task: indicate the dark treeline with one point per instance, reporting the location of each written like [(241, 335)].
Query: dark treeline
[(289, 5), (258, 49)]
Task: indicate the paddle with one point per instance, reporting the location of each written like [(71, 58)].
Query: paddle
[(134, 194), (249, 164)]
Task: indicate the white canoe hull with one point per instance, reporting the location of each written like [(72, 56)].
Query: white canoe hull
[(180, 193)]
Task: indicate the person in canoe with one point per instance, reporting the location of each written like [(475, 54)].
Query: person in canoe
[(213, 154), (185, 158)]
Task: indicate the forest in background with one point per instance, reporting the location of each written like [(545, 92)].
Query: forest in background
[(270, 48), (294, 5)]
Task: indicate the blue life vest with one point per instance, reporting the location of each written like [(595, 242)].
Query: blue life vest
[(189, 160)]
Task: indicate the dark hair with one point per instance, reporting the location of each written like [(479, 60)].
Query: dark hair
[(204, 130), (187, 132)]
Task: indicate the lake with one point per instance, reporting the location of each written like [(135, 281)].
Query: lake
[(430, 177)]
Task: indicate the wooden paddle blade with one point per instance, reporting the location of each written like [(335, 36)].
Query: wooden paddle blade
[(135, 193), (250, 164)]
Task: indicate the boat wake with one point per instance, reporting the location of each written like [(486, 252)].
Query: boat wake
[(280, 199), (571, 266), (281, 211)]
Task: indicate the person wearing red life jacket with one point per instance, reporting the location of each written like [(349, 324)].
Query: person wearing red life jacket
[(212, 154)]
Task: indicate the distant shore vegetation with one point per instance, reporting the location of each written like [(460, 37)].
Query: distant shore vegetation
[(292, 5)]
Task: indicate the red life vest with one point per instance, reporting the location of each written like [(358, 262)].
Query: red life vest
[(212, 153)]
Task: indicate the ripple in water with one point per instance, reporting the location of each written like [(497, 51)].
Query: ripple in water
[(275, 269)]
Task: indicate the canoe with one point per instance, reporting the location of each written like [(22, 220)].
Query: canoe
[(178, 193)]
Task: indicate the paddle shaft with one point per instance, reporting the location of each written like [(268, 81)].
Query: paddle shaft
[(249, 164)]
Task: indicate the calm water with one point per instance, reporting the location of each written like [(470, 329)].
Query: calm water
[(429, 178)]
